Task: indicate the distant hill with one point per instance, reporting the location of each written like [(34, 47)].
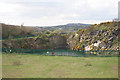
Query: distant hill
[(71, 27), (78, 24)]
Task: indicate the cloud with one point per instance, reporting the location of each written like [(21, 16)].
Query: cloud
[(56, 12)]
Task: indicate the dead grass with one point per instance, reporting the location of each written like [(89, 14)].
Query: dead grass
[(17, 63)]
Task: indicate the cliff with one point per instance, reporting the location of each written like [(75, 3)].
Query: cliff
[(103, 36)]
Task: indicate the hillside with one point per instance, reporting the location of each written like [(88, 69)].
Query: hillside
[(71, 27), (103, 36), (14, 31)]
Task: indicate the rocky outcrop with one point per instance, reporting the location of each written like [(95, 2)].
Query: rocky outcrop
[(103, 36)]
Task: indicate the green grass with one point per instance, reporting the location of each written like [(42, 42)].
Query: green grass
[(37, 66)]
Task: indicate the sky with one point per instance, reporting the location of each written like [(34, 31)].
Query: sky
[(57, 12)]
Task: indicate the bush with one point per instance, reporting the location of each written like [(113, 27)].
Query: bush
[(47, 32)]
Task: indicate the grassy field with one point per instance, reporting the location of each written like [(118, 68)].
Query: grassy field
[(37, 66)]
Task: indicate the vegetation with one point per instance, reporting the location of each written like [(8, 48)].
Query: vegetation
[(106, 33), (24, 65), (64, 28), (11, 31)]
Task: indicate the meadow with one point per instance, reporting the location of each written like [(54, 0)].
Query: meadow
[(39, 66)]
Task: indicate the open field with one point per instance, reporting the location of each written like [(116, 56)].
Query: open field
[(37, 66)]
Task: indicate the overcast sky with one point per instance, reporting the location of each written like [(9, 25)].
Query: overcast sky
[(57, 12)]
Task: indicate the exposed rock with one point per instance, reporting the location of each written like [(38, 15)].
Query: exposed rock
[(97, 44), (102, 44)]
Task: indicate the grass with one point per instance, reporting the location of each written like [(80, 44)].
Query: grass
[(38, 66)]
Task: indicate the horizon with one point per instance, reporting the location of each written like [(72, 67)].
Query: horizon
[(57, 12), (54, 25)]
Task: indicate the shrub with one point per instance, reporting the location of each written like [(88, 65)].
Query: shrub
[(47, 32)]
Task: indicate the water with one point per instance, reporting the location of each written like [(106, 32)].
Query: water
[(63, 52)]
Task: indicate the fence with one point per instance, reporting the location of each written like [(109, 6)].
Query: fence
[(65, 52)]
